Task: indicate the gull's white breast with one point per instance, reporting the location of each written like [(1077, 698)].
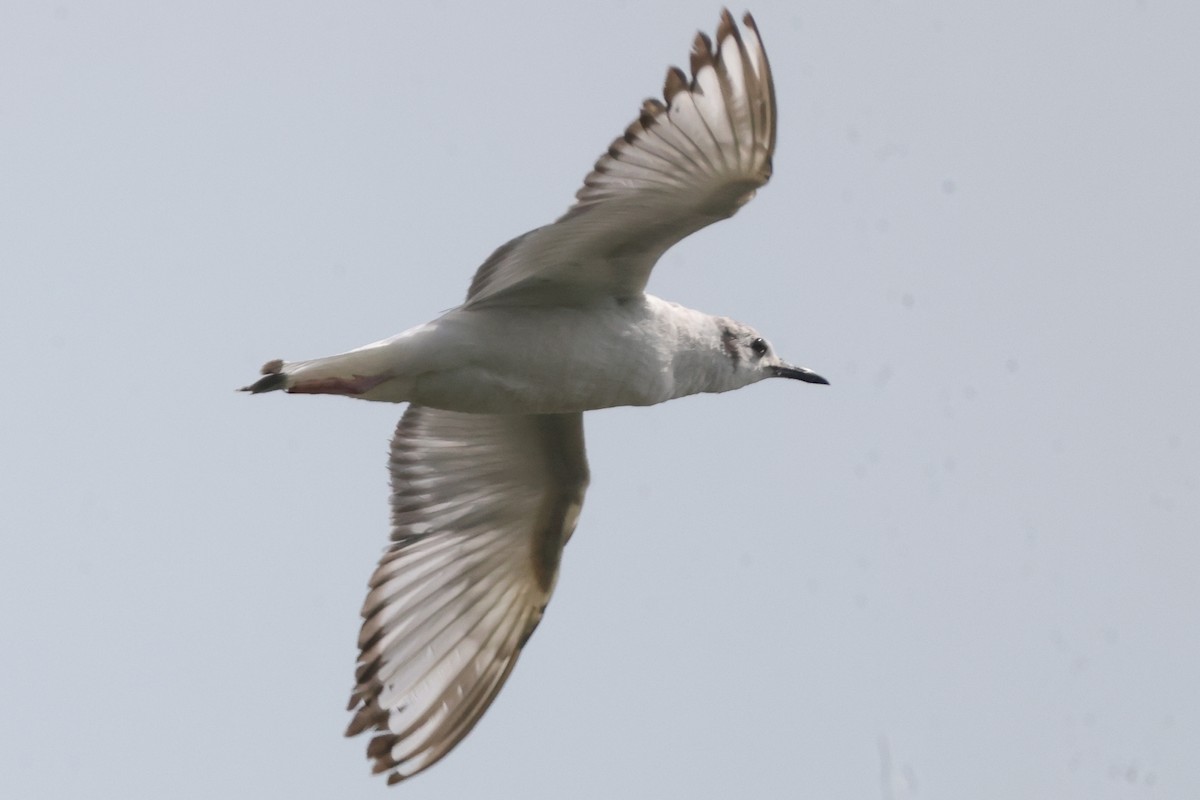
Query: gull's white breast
[(534, 360)]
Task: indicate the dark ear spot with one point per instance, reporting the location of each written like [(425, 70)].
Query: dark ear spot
[(730, 343)]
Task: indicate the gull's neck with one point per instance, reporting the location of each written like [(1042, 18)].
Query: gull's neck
[(698, 360)]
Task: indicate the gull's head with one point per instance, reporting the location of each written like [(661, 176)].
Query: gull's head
[(753, 358)]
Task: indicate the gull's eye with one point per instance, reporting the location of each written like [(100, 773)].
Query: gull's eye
[(759, 346)]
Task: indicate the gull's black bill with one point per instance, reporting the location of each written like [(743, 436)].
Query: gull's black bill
[(800, 374)]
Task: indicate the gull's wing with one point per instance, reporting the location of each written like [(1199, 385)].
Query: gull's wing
[(682, 165), (481, 508)]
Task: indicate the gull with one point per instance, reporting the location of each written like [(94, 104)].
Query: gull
[(487, 464)]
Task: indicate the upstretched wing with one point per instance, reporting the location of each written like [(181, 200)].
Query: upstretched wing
[(481, 507), (683, 164)]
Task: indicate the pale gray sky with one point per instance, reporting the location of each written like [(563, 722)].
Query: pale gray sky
[(979, 545)]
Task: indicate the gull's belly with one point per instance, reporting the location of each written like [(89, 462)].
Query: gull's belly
[(540, 361)]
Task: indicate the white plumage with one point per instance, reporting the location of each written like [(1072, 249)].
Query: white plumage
[(487, 465)]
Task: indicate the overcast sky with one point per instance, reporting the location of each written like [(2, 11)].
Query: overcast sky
[(967, 569)]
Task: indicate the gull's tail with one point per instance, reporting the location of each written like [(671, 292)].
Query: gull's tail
[(273, 378), (352, 374)]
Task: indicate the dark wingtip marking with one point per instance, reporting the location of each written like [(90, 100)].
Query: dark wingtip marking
[(726, 26), (675, 82), (702, 53), (380, 746)]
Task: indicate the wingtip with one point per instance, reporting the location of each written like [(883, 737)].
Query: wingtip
[(726, 26)]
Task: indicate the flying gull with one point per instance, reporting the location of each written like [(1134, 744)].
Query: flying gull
[(487, 465)]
